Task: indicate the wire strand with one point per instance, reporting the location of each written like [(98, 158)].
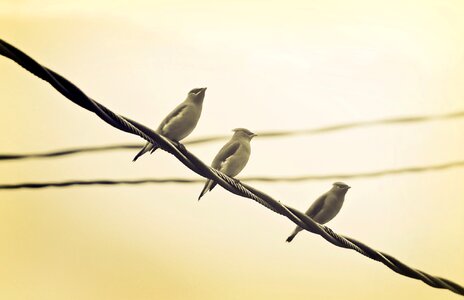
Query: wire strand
[(73, 93), (264, 134), (106, 182)]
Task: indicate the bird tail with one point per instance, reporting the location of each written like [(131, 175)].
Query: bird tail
[(209, 185), (294, 233), (145, 149), (291, 237), (153, 149)]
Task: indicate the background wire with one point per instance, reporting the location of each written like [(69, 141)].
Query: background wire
[(263, 134), (73, 93), (419, 169)]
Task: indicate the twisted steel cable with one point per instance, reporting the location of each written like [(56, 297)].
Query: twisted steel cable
[(264, 134), (74, 94)]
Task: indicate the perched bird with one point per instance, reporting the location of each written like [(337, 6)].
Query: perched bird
[(180, 122), (326, 207), (232, 158)]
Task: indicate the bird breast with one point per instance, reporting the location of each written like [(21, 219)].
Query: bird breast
[(331, 208)]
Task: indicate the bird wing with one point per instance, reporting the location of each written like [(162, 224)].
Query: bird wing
[(316, 207), (173, 116), (312, 212), (225, 153)]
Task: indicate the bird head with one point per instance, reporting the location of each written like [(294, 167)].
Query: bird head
[(197, 94), (340, 187), (244, 132)]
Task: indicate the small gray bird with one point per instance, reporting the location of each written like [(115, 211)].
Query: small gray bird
[(326, 207), (180, 122), (232, 158)]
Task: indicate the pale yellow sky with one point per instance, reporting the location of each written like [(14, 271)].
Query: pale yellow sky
[(267, 65)]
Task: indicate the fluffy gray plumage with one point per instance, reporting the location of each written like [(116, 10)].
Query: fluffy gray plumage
[(326, 207), (181, 121), (232, 158)]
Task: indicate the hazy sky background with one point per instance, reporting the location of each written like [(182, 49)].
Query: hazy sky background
[(268, 66)]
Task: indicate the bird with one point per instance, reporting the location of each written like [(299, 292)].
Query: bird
[(326, 207), (232, 157), (178, 124)]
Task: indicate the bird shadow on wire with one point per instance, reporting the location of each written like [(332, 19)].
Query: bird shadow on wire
[(264, 134)]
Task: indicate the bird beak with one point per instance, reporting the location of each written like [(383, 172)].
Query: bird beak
[(253, 135), (348, 187), (202, 91)]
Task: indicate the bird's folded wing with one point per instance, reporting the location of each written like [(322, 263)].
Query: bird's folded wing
[(316, 207), (226, 152), (174, 116)]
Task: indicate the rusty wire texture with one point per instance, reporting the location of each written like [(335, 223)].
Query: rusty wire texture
[(73, 93)]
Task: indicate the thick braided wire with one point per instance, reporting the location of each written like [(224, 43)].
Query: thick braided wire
[(74, 94)]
